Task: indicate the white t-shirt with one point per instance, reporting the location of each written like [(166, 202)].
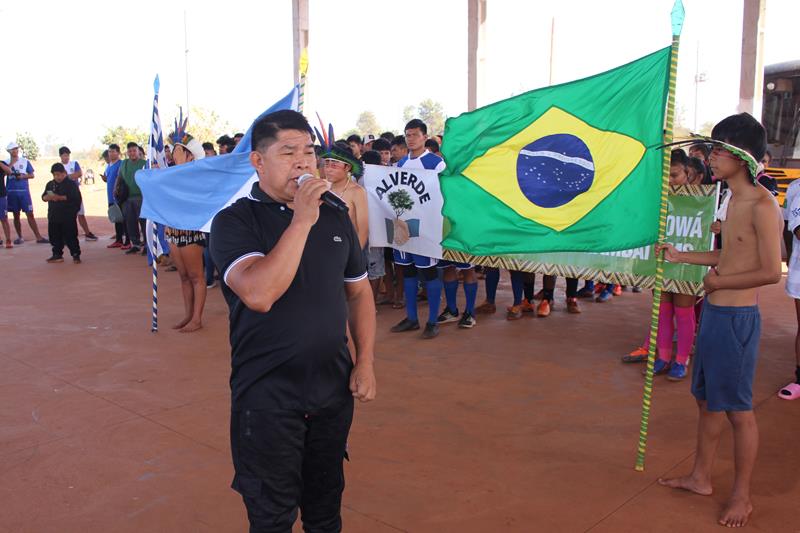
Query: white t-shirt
[(792, 211), (791, 194)]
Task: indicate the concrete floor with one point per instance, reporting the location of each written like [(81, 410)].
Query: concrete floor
[(512, 426)]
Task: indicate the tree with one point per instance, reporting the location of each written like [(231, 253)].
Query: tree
[(205, 125), (28, 145), (367, 123), (400, 201), (432, 114), (408, 113), (122, 135)]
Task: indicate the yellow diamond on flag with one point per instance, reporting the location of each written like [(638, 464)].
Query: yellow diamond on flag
[(557, 169)]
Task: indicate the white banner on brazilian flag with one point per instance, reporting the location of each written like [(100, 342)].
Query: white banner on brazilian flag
[(405, 209)]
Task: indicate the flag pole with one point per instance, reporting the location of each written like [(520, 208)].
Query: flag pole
[(155, 129), (303, 69), (678, 14)]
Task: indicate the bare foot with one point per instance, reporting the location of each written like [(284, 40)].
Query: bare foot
[(736, 513), (182, 323), (191, 326), (687, 483)]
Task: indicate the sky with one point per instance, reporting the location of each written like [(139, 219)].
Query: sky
[(78, 67)]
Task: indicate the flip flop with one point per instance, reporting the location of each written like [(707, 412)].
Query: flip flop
[(398, 305), (790, 392)]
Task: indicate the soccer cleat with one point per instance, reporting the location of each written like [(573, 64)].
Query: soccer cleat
[(636, 289), (55, 259), (660, 367), (677, 372), (447, 316), (486, 308), (514, 312), (586, 292), (405, 325), (544, 309), (127, 246), (467, 321), (115, 244), (91, 236), (76, 259), (639, 355), (431, 331), (617, 290), (603, 297), (599, 287), (526, 306), (572, 306)]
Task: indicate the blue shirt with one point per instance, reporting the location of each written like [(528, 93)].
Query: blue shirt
[(111, 178), (22, 166), (426, 161)]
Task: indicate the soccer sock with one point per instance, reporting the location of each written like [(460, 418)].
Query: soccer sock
[(492, 281), (665, 331), (471, 292), (589, 285), (685, 321), (547, 294), (528, 291), (410, 290), (450, 292), (434, 288), (517, 286), (572, 287)]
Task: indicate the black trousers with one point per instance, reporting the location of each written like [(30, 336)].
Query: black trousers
[(63, 232), (285, 460)]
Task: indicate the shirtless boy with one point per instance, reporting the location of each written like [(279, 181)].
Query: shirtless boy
[(730, 327), (340, 164)]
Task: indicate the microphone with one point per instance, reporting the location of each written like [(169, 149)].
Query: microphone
[(328, 198)]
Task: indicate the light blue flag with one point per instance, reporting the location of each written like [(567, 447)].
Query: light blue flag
[(189, 196)]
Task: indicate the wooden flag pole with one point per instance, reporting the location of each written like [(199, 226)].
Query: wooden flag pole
[(647, 397)]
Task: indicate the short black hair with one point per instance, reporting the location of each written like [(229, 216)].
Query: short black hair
[(697, 164), (224, 139), (388, 135), (678, 157), (266, 129), (355, 139), (239, 135), (113, 146), (63, 150), (371, 157), (417, 124), (432, 145), (208, 146), (133, 145), (399, 140), (58, 167), (104, 154), (381, 144), (742, 131), (703, 147)]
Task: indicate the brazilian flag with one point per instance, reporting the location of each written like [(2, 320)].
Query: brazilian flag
[(564, 168)]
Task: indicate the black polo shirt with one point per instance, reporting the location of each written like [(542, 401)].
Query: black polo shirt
[(294, 356)]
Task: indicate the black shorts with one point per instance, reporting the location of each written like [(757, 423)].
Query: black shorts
[(285, 460)]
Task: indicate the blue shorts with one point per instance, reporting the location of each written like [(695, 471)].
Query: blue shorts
[(444, 263), (419, 261), (725, 357), (19, 201), (3, 206)]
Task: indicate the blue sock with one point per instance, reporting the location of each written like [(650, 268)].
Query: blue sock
[(589, 285), (434, 297), (517, 286), (492, 281), (471, 291), (450, 292), (410, 290)]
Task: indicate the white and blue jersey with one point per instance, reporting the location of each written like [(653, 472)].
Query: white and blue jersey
[(72, 167), (21, 166), (427, 161)]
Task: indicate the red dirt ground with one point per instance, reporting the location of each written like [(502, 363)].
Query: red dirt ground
[(512, 426)]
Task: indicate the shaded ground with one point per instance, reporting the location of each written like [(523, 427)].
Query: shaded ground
[(523, 426)]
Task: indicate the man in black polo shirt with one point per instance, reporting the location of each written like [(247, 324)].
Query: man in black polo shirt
[(293, 272)]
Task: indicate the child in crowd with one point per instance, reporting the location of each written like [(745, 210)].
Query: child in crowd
[(63, 203), (730, 327)]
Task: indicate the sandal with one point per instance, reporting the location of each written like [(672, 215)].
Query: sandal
[(790, 392), (398, 305)]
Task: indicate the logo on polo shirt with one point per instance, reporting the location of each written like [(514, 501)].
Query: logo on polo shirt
[(336, 238)]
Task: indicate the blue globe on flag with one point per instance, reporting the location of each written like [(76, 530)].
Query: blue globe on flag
[(553, 170)]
